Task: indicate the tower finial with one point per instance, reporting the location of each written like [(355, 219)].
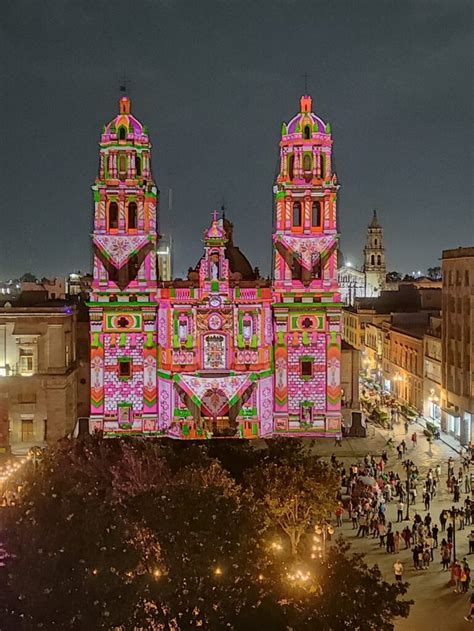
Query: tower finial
[(214, 215), (125, 105), (305, 103)]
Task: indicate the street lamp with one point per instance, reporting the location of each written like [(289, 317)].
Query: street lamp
[(408, 465), (323, 530), (452, 513)]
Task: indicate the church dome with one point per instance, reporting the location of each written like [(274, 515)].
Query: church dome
[(125, 128), (305, 119)]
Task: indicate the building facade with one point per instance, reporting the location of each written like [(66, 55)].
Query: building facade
[(457, 404), (432, 351), (223, 353), (374, 259), (351, 284), (38, 375)]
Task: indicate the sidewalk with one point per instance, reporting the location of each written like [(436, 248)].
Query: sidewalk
[(445, 438)]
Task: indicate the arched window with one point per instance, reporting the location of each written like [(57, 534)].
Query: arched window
[(113, 298), (372, 259), (307, 162), (375, 241), (291, 166), (214, 266), (122, 164), (316, 215), (307, 132), (122, 133), (322, 163), (183, 328), (113, 216), (138, 165), (297, 214), (379, 259), (132, 216), (247, 328)]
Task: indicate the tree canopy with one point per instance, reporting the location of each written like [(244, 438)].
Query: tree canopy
[(137, 534)]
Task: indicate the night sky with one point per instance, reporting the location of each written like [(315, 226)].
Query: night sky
[(213, 80)]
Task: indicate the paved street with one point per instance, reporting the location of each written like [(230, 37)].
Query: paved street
[(436, 607)]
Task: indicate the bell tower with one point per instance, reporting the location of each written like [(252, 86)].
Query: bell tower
[(374, 259), (307, 308), (123, 300)]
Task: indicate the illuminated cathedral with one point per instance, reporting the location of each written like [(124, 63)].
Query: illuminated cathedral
[(224, 352)]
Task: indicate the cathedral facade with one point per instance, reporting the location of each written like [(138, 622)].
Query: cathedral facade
[(225, 352)]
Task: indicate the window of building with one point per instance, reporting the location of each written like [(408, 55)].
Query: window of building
[(247, 328), (306, 367), (307, 162), (291, 166), (138, 165), (322, 164), (183, 328), (122, 165), (124, 368), (372, 259), (132, 216), (113, 216), (26, 361), (297, 215), (316, 214), (122, 133), (124, 413), (375, 241), (27, 430), (379, 259), (466, 278), (307, 132)]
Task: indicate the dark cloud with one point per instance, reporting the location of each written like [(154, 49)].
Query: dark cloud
[(213, 80)]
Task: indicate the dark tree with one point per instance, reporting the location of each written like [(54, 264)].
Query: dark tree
[(28, 277), (434, 273), (124, 534), (393, 277)]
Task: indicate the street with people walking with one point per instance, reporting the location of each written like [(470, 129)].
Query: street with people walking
[(413, 536)]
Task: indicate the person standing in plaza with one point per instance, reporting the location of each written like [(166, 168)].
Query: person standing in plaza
[(400, 507), (390, 540), (467, 483), (470, 539), (471, 608), (414, 439), (396, 542), (427, 499), (442, 520), (398, 570), (434, 533)]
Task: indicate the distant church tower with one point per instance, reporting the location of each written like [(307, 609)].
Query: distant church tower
[(123, 303), (307, 307), (374, 259)]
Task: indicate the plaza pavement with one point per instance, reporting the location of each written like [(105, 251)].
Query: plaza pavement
[(436, 607)]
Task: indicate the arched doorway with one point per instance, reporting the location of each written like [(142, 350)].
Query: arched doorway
[(215, 412)]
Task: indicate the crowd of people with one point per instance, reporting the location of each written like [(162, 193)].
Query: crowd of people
[(370, 485)]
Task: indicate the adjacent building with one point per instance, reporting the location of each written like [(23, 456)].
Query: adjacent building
[(457, 364), (432, 383), (374, 259), (38, 375)]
